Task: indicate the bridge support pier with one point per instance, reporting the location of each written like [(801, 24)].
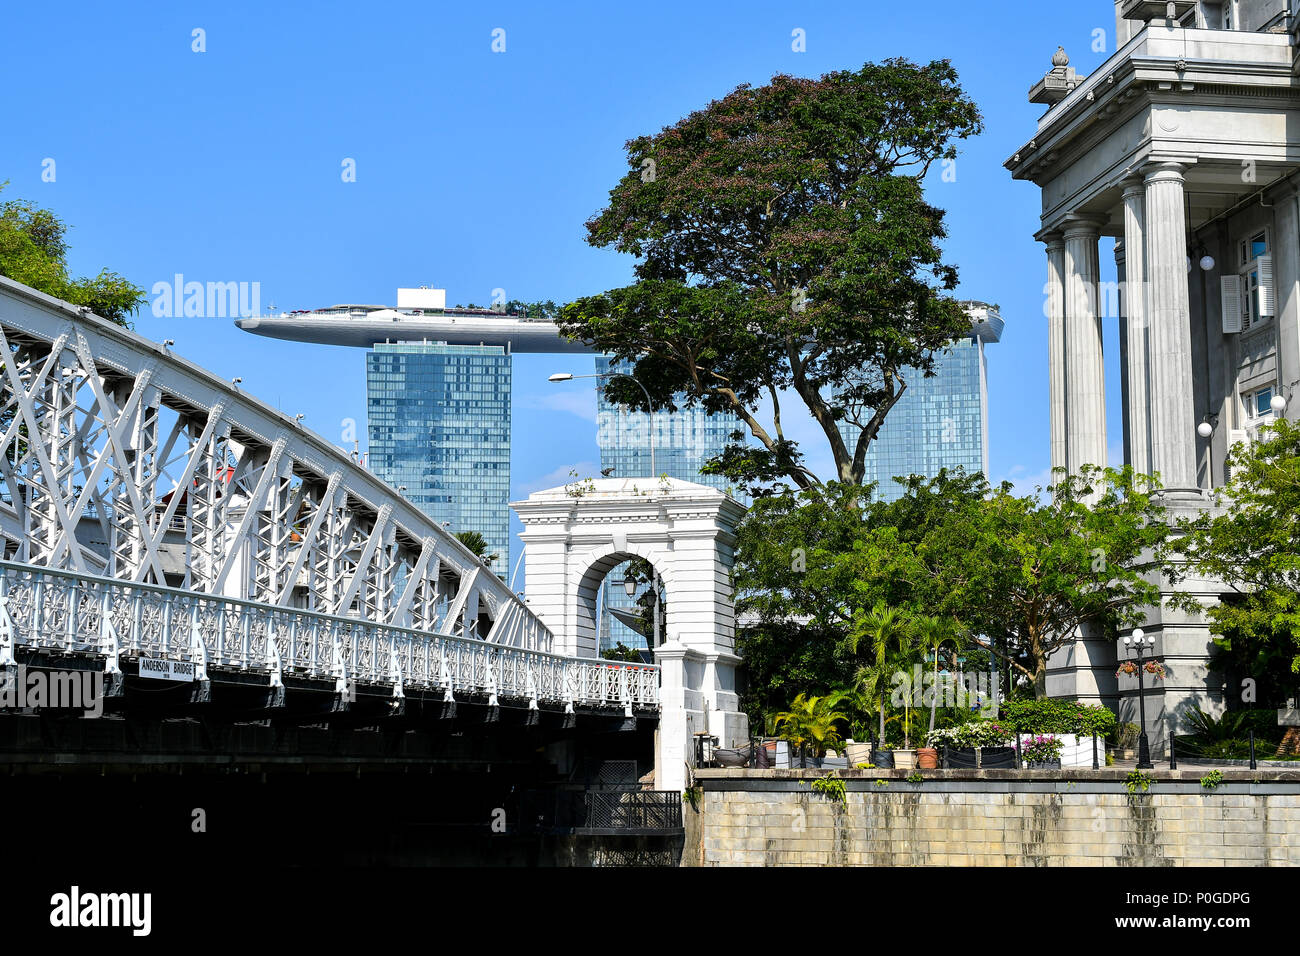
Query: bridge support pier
[(696, 696)]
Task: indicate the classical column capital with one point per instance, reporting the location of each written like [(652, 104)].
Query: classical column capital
[(1083, 227), (1049, 237), (1134, 186), (1164, 172)]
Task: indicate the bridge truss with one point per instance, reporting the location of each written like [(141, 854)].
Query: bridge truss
[(148, 507)]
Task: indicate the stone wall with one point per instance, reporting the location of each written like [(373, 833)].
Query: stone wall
[(993, 818)]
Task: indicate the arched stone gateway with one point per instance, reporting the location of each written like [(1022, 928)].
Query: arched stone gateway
[(575, 534)]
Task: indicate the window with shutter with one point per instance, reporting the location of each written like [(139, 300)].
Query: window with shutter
[(1265, 286), (1230, 294)]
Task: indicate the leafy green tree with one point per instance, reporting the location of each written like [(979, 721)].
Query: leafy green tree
[(476, 543), (890, 645), (809, 563), (542, 309), (1028, 572), (784, 244), (1253, 546), (33, 251), (934, 632), (621, 652)]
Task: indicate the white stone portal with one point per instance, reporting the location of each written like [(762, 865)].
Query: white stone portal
[(575, 534)]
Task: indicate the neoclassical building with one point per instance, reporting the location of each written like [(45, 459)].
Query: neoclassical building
[(1183, 146)]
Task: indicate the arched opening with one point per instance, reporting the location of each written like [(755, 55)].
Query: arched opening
[(622, 601)]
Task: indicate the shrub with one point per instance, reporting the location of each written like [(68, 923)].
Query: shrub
[(1041, 749), (976, 733), (1056, 716), (1125, 736)]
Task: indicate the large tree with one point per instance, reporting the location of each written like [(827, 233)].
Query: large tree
[(33, 251), (784, 244), (1253, 545), (1025, 573)]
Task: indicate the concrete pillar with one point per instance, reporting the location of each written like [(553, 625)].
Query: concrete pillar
[(1173, 416), (1056, 348), (681, 715), (1137, 405), (1085, 385)]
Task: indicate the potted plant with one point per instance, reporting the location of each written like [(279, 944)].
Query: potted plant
[(1042, 752), (812, 722), (858, 748)]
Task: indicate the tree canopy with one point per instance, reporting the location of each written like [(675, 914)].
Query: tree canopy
[(33, 251), (1252, 544), (1020, 574), (784, 244)]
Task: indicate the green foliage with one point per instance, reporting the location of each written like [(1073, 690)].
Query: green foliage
[(781, 656), (621, 652), (1022, 574), (1027, 572), (1254, 545), (915, 777), (1232, 725), (1138, 780), (1212, 779), (784, 244), (1110, 759), (831, 787), (1125, 736), (545, 309), (812, 721), (882, 782), (33, 251), (975, 733), (1056, 716), (477, 544)]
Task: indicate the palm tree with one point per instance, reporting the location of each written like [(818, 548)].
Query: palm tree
[(934, 632), (813, 720), (881, 626), (476, 543)]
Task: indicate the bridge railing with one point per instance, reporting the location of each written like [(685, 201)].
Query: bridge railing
[(82, 614)]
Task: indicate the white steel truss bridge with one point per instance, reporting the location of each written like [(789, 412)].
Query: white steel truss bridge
[(149, 509)]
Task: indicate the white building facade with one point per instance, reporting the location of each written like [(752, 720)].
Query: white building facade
[(1184, 147)]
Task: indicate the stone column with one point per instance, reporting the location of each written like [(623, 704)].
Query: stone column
[(1055, 309), (1136, 381), (1085, 385), (1120, 276), (1172, 404)]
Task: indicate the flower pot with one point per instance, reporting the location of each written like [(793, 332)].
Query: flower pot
[(961, 757), (905, 759), (927, 758), (883, 758), (998, 758), (857, 753)]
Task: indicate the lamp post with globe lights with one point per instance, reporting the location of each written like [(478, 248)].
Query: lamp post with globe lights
[(1139, 640)]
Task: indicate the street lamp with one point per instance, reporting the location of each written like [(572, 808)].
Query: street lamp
[(569, 376), (1137, 641), (629, 583)]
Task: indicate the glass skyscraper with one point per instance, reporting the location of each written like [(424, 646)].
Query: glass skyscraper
[(438, 418), (684, 441), (940, 422)]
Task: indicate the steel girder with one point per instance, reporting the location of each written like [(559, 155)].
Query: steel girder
[(122, 460)]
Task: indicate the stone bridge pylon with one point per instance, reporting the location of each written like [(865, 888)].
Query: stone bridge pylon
[(574, 535)]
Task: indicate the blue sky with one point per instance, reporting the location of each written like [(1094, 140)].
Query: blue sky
[(475, 170)]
